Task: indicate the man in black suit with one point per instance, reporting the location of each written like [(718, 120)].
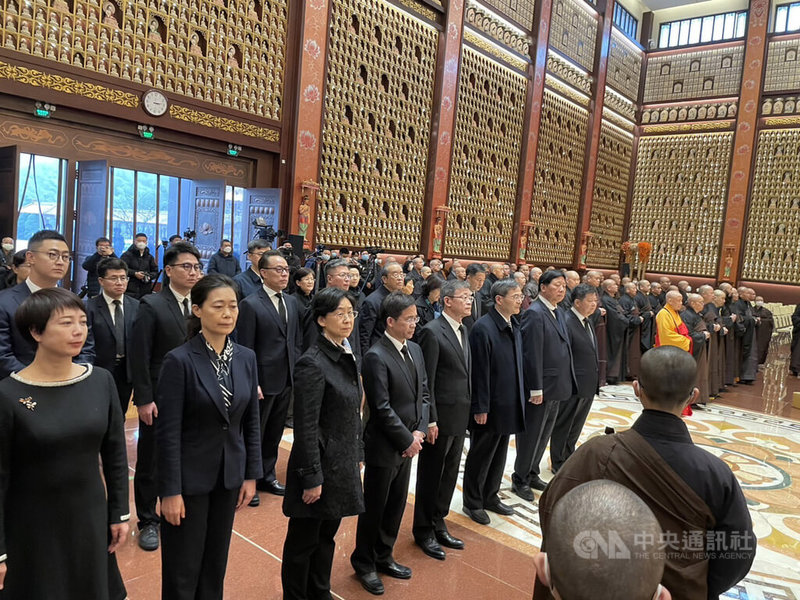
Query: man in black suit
[(476, 276), (111, 316), (249, 281), (104, 250), (498, 402), (445, 344), (269, 324), (484, 296), (549, 379), (396, 387), (160, 326), (583, 341), (370, 327), (49, 258)]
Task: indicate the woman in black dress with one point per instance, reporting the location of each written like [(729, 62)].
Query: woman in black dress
[(323, 480), (209, 444), (303, 283), (59, 524)]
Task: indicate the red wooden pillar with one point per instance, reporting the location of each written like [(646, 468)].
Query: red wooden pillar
[(595, 125), (533, 118), (744, 141), (440, 153)]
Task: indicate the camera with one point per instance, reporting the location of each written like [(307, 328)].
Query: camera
[(374, 250), (189, 235), (265, 231)]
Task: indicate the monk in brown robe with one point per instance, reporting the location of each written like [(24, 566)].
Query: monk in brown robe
[(698, 330), (633, 336), (713, 322), (693, 494), (764, 330)]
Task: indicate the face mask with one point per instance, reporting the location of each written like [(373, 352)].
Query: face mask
[(141, 245), (759, 303), (364, 256), (8, 247), (334, 255), (326, 257), (226, 250)]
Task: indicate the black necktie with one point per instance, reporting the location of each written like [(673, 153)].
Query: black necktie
[(409, 364), (464, 343), (281, 307), (588, 330), (186, 307), (119, 328)]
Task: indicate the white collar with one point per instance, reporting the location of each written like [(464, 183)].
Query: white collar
[(180, 298), (452, 322), (544, 301), (581, 318), (271, 293), (110, 301), (396, 343), (32, 286)]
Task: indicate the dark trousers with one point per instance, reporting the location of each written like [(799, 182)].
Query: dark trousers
[(308, 558), (385, 496), (273, 418), (539, 422), (194, 555), (437, 473), (124, 388), (570, 420), (483, 470), (145, 491)]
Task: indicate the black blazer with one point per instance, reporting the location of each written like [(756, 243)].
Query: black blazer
[(277, 344), (105, 335), (196, 434), (396, 407), (16, 352), (159, 327), (370, 325), (311, 333), (425, 313), (584, 356), (497, 374), (547, 355), (449, 376), (327, 446)]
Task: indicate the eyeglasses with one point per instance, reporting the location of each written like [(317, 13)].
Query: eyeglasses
[(469, 298), (189, 267), (120, 279), (343, 275), (517, 297), (410, 320), (278, 270), (55, 256), (352, 315)]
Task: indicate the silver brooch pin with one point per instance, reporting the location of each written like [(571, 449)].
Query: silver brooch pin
[(28, 403)]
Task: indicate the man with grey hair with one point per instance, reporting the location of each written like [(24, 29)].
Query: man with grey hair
[(370, 327), (631, 568), (436, 269), (455, 265)]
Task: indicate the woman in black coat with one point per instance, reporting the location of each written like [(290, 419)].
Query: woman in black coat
[(303, 284), (428, 304), (323, 480), (209, 444)]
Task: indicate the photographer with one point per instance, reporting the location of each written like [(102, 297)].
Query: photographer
[(104, 250), (142, 268)]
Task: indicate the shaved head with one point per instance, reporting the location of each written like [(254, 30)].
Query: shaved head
[(610, 511), (666, 377)]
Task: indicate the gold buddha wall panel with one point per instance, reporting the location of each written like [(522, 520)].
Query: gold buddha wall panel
[(487, 142), (679, 200), (557, 181), (573, 31), (624, 66), (227, 52), (783, 66), (610, 198), (691, 75), (772, 240), (520, 11), (376, 130)]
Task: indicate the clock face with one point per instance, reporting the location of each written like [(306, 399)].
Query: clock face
[(155, 103)]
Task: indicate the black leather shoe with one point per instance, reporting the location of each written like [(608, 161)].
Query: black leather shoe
[(501, 509), (432, 548), (478, 515), (523, 491), (371, 582), (271, 487), (148, 538), (392, 569), (538, 484), (447, 540), (256, 501)]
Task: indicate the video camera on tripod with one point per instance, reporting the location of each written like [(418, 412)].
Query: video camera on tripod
[(189, 235), (265, 231)]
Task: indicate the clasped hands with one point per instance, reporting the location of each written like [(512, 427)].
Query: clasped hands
[(415, 446)]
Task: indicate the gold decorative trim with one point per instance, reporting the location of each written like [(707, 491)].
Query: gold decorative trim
[(569, 73), (781, 121), (485, 21), (67, 85), (618, 120), (183, 113), (567, 91), (420, 9), (486, 46), (687, 127)]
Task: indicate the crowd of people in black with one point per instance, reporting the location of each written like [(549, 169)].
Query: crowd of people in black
[(372, 362)]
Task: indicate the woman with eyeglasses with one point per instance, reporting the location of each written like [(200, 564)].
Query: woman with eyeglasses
[(323, 481), (209, 443), (303, 282)]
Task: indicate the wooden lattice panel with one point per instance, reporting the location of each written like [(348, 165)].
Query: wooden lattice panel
[(772, 246), (375, 138), (557, 182), (679, 200), (783, 66), (610, 198), (624, 66), (227, 52), (700, 74), (573, 31), (487, 140)]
